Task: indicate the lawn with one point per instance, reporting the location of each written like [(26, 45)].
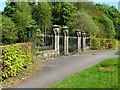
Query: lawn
[(102, 75)]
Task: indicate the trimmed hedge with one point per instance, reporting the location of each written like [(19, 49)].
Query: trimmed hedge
[(95, 43), (102, 44), (15, 58)]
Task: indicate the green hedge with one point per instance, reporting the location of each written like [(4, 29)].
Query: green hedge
[(15, 58), (94, 43), (102, 44)]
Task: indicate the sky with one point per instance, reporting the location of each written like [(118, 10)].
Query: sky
[(108, 2)]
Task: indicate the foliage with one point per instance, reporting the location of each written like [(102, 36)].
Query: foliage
[(84, 22), (30, 71), (112, 43), (113, 14), (20, 13), (15, 58), (109, 27), (103, 43), (62, 12), (102, 75), (42, 15), (31, 18), (95, 43), (9, 31), (0, 19)]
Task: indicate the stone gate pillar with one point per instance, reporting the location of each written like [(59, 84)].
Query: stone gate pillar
[(56, 38), (78, 33), (66, 37), (83, 41)]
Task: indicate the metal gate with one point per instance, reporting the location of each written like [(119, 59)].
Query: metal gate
[(42, 43), (72, 45), (61, 45)]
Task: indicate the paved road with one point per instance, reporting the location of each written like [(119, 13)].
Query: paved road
[(62, 67)]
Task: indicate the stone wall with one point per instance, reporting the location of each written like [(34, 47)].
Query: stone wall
[(47, 54)]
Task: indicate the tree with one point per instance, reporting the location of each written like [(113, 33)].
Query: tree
[(62, 12), (84, 22), (113, 14), (9, 32), (42, 16), (20, 13), (109, 26), (0, 28)]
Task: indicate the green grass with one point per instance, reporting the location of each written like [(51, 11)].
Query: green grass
[(102, 75)]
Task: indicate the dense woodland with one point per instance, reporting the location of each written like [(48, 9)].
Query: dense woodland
[(20, 19)]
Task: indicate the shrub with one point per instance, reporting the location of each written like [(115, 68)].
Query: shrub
[(101, 44), (26, 49), (112, 43), (15, 58), (94, 43)]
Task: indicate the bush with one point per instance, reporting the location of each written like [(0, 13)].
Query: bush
[(15, 58), (94, 43), (112, 43), (101, 44)]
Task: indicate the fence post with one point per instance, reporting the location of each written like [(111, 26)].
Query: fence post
[(56, 38), (83, 41), (66, 37), (78, 33)]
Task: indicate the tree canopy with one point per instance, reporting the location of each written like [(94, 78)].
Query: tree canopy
[(23, 18), (84, 22)]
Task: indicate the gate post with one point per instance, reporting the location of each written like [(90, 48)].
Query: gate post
[(83, 41), (78, 33), (66, 37), (56, 38)]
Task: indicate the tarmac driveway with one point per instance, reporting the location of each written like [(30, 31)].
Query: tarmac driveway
[(64, 66)]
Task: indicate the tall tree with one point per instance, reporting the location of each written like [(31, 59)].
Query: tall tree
[(9, 33), (20, 13), (113, 14), (84, 22), (62, 12), (0, 28), (42, 15), (109, 26)]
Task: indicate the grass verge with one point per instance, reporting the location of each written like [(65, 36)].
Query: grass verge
[(102, 75)]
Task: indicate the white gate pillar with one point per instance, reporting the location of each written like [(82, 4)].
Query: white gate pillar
[(66, 37), (56, 38)]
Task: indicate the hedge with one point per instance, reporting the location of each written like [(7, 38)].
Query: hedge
[(102, 44), (95, 43), (15, 58)]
